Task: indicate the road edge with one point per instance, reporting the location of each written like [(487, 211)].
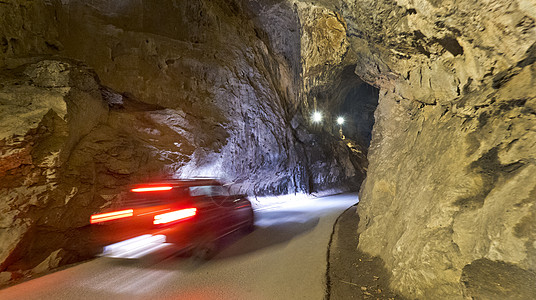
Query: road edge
[(327, 293)]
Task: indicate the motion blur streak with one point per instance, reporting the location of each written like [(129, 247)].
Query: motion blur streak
[(145, 284), (111, 216), (283, 258), (151, 189), (178, 215), (129, 281), (136, 247)]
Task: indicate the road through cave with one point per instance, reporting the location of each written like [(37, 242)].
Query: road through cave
[(426, 108)]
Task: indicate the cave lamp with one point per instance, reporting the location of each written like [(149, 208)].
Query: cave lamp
[(317, 117)]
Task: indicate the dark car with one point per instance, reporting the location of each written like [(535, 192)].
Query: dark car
[(181, 215)]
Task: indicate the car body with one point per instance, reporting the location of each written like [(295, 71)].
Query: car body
[(178, 214)]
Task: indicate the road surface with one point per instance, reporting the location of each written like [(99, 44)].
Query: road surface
[(284, 258)]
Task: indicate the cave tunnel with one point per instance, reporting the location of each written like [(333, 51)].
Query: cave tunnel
[(136, 92), (350, 98), (97, 96), (358, 113)]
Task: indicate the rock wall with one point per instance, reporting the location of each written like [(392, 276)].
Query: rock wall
[(237, 83), (96, 95), (449, 195), (26, 31), (226, 88), (37, 101)]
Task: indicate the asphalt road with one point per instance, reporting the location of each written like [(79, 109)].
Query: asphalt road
[(284, 258)]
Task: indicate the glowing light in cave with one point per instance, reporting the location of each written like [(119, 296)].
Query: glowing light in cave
[(317, 117), (136, 247), (94, 219), (340, 120), (178, 215), (152, 189)]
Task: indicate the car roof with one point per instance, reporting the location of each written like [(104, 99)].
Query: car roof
[(181, 182)]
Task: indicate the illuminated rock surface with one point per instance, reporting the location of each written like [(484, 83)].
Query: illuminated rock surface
[(226, 88), (450, 192), (95, 97)]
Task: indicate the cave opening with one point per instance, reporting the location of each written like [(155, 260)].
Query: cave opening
[(341, 111), (357, 110), (348, 104)]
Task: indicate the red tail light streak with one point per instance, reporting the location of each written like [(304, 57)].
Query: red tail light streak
[(174, 216), (152, 189), (114, 215)]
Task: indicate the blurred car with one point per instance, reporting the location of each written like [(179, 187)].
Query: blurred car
[(181, 215)]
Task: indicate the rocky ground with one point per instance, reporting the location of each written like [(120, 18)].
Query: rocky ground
[(351, 273)]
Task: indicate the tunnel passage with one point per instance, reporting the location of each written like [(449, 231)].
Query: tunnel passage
[(357, 109), (344, 95), (202, 94), (346, 105)]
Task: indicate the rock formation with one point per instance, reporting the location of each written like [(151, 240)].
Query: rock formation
[(449, 195), (96, 95), (449, 199)]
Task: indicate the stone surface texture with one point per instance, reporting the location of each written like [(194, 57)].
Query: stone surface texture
[(99, 94), (450, 191)]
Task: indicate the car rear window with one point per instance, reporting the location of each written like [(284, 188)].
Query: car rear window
[(208, 190), (203, 190)]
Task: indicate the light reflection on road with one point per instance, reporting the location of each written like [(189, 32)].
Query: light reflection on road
[(128, 280)]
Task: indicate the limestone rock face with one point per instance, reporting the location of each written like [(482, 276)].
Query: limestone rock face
[(26, 31), (94, 97), (44, 114), (449, 194), (225, 78), (226, 89), (463, 194)]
